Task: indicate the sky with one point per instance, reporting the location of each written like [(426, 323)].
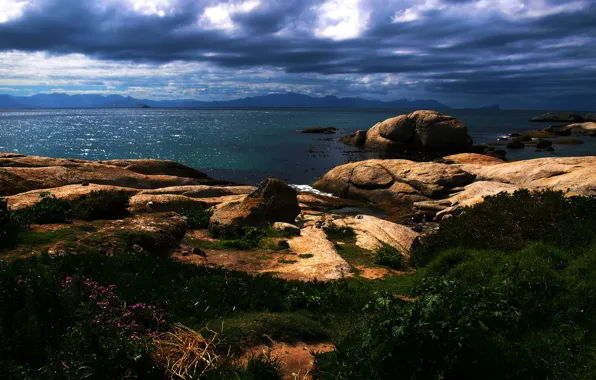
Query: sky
[(464, 53)]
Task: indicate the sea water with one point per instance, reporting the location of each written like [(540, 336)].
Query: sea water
[(242, 145)]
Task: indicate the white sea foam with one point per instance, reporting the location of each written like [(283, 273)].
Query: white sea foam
[(310, 189)]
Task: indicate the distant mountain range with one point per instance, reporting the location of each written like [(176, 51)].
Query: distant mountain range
[(61, 100)]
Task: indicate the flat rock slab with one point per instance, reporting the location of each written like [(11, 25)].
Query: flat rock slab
[(70, 192), (372, 231), (326, 263)]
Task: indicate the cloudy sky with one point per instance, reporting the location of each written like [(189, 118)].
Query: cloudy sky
[(518, 53)]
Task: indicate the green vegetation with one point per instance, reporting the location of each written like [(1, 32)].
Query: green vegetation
[(101, 204), (9, 226), (197, 219), (389, 256), (511, 222), (93, 206), (67, 317), (346, 234), (306, 255), (48, 209), (506, 290)]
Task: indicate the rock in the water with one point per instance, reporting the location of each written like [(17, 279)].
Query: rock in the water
[(322, 130), (273, 201), (559, 116), (588, 128), (543, 144), (516, 144), (429, 130), (569, 142), (356, 139), (287, 228)]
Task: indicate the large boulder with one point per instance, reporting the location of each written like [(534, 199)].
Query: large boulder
[(273, 201), (399, 181), (427, 130)]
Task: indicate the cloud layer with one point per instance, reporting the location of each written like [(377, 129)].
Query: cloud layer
[(520, 53)]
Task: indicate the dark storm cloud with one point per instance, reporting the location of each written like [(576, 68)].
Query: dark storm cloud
[(448, 46)]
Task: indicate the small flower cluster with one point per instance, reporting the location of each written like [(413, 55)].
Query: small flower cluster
[(22, 280), (133, 320)]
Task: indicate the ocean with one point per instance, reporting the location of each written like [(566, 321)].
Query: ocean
[(241, 145)]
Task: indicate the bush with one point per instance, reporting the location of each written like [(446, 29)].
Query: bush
[(196, 218), (9, 227), (346, 234), (450, 332), (47, 210), (102, 204), (52, 313), (509, 222), (389, 256)]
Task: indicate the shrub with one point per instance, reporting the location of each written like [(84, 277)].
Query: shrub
[(346, 234), (47, 210), (511, 221), (102, 204), (9, 227), (389, 256), (196, 218), (450, 332)]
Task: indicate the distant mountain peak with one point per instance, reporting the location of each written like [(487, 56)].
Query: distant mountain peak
[(288, 99)]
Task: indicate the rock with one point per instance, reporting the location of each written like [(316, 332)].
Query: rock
[(569, 142), (550, 149), (588, 128), (371, 232), (472, 158), (202, 191), (153, 167), (429, 130), (524, 138), (273, 201), (287, 228), (538, 135), (393, 180), (356, 139), (558, 116), (163, 203), (323, 130), (543, 144), (25, 173), (590, 117), (574, 173), (69, 192), (516, 144), (559, 130)]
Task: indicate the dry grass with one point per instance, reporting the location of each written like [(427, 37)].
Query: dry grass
[(186, 353)]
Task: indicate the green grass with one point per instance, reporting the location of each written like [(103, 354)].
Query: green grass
[(32, 239), (250, 329), (347, 234)]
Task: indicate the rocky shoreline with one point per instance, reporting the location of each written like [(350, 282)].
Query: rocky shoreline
[(410, 195)]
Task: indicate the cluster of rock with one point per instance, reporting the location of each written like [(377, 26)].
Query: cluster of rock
[(426, 130), (442, 188), (565, 116)]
